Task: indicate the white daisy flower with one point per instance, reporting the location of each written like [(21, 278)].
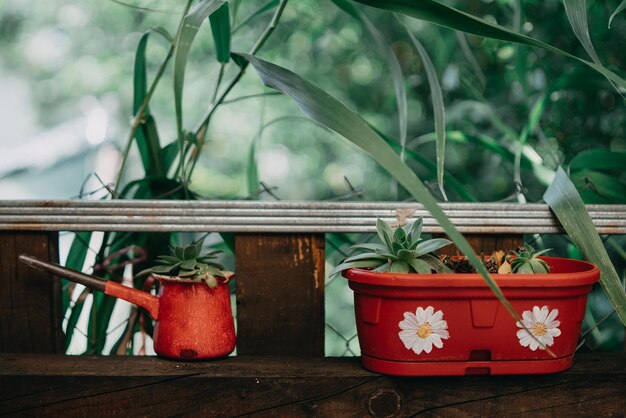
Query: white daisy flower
[(542, 324), (422, 330)]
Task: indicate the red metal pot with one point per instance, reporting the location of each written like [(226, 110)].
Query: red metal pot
[(452, 324), (193, 321)]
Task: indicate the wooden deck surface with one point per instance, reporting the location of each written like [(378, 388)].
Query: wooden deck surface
[(54, 385)]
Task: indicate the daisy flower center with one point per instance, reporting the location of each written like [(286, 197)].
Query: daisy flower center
[(424, 330), (540, 330)]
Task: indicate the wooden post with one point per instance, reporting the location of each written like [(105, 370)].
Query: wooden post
[(280, 294), (30, 312)]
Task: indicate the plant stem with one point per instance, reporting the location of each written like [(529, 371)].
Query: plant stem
[(200, 131), (217, 84), (138, 118)]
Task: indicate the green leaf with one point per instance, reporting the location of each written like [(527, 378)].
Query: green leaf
[(395, 69), (189, 29), (385, 268), (619, 8), (354, 264), (438, 109), (576, 11), (399, 235), (597, 184), (435, 263), (162, 269), (365, 256), (146, 135), (252, 169), (180, 252), (265, 8), (322, 107), (169, 153), (190, 252), (220, 27), (416, 229), (598, 159), (420, 266), (452, 182), (187, 273), (567, 205), (399, 267), (167, 259), (384, 232), (431, 245), (440, 14), (370, 247), (75, 260), (406, 254), (189, 264)]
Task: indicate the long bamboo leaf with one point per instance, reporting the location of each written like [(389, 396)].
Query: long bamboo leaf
[(220, 27), (266, 7), (188, 31), (440, 14), (395, 69), (320, 106), (453, 183), (75, 260), (471, 59), (619, 8), (598, 159), (576, 11), (146, 134), (567, 205), (438, 109)]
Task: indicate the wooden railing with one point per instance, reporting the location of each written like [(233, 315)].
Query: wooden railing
[(280, 369)]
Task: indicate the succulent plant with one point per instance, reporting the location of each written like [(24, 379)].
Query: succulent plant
[(526, 261), (403, 251), (189, 263)]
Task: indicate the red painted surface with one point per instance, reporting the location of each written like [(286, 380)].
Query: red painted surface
[(482, 335), (193, 321)]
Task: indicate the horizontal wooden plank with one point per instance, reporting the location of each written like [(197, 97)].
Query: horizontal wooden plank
[(312, 217), (46, 385)]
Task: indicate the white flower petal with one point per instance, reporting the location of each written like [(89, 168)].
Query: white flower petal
[(438, 325), (547, 340), (555, 332), (429, 312), (437, 317), (522, 333), (543, 314), (553, 314), (553, 324), (411, 319), (428, 345), (409, 340), (527, 317), (419, 314), (526, 341), (419, 346), (536, 313), (436, 339), (533, 345), (406, 325), (442, 333)]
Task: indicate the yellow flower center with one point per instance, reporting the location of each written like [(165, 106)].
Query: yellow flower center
[(424, 330), (540, 329)]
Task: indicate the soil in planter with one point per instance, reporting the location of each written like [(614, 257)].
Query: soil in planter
[(463, 265)]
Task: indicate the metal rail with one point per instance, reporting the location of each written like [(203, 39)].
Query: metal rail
[(264, 216)]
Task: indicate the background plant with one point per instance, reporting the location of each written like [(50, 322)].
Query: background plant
[(513, 112)]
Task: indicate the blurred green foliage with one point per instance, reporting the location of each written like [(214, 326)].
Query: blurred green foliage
[(492, 90)]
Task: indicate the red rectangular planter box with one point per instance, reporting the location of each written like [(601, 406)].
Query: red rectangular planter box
[(452, 324)]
